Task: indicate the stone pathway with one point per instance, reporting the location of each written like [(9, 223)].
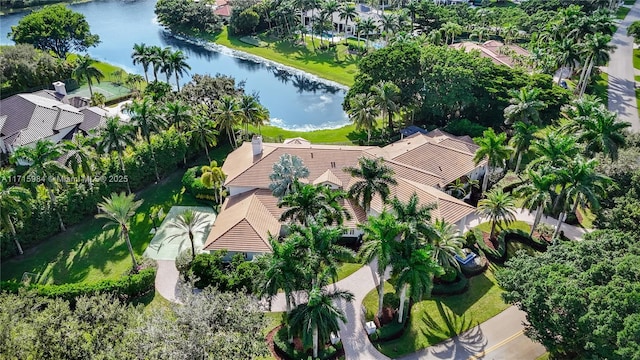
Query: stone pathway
[(500, 337), (622, 96)]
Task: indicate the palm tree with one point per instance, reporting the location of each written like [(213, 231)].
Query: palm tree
[(188, 224), (366, 27), (416, 219), (584, 184), (447, 243), (14, 206), (523, 137), (81, 156), (319, 317), (227, 114), (595, 50), (381, 235), (84, 69), (537, 194), (178, 114), (286, 171), (116, 136), (308, 201), (525, 106), (498, 207), (596, 127), (281, 273), (177, 64), (373, 178), (144, 115), (204, 132), (451, 29), (142, 55), (363, 113), (250, 111), (565, 54), (479, 33), (494, 149), (389, 24), (213, 178), (347, 13), (385, 95), (118, 209), (553, 150), (43, 168), (415, 271)]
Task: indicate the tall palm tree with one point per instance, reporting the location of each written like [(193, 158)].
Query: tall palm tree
[(366, 27), (389, 24), (250, 111), (308, 201), (81, 156), (595, 51), (451, 29), (385, 95), (142, 55), (319, 317), (227, 114), (177, 64), (347, 13), (363, 113), (525, 106), (596, 127), (213, 178), (145, 116), (498, 207), (447, 243), (286, 171), (523, 137), (203, 132), (373, 178), (415, 271), (188, 224), (479, 33), (492, 147), (14, 206), (116, 136), (416, 219), (118, 209), (584, 185), (178, 114), (381, 235), (553, 150), (44, 169), (565, 54), (537, 194), (282, 272), (84, 70)]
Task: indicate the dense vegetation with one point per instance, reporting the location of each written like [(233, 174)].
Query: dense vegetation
[(188, 15)]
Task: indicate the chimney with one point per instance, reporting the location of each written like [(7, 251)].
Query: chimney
[(256, 145), (60, 88)]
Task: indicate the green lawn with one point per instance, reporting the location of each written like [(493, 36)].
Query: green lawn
[(88, 253), (344, 135), (335, 65), (622, 12), (106, 68), (601, 87), (347, 269), (441, 317), (520, 225)]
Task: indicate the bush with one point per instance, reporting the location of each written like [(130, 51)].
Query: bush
[(194, 186), (459, 285), (390, 331), (183, 262), (126, 288), (460, 127), (288, 352)]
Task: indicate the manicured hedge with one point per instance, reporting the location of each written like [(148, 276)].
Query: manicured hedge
[(390, 331), (455, 288), (126, 288), (499, 255), (288, 352), (193, 185)]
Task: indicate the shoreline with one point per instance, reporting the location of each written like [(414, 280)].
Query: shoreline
[(36, 7)]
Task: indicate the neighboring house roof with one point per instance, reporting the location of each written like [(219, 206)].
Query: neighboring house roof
[(30, 117), (447, 207), (494, 50), (222, 8), (297, 140), (412, 129)]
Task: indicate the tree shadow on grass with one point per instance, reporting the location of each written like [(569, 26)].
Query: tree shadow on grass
[(459, 304)]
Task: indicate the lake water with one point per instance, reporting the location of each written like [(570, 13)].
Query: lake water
[(296, 100)]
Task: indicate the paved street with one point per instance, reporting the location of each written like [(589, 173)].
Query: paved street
[(622, 96)]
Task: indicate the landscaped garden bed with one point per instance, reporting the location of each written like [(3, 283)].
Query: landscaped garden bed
[(297, 350)]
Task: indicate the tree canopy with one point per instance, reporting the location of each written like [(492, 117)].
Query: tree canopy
[(55, 28), (581, 298)]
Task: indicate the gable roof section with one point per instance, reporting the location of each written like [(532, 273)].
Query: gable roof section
[(447, 207), (94, 117), (243, 225), (328, 177)]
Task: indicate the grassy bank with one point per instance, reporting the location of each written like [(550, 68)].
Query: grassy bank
[(335, 64), (344, 135)]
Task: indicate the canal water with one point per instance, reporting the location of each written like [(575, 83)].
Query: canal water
[(296, 100)]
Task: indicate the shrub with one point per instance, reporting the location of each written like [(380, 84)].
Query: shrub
[(207, 270), (459, 285), (460, 127), (390, 331), (194, 186), (287, 351), (183, 262), (126, 288)]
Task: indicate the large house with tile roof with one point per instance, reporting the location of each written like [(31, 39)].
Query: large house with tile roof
[(424, 164)]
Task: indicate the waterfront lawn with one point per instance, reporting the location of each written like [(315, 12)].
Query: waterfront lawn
[(335, 65), (88, 253), (435, 319), (344, 135), (105, 68)]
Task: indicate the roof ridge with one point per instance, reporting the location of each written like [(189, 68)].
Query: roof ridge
[(449, 148), (413, 167)]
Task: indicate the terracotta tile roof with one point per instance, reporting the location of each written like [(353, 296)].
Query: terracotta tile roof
[(244, 169), (448, 207), (328, 177), (243, 225), (296, 140)]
